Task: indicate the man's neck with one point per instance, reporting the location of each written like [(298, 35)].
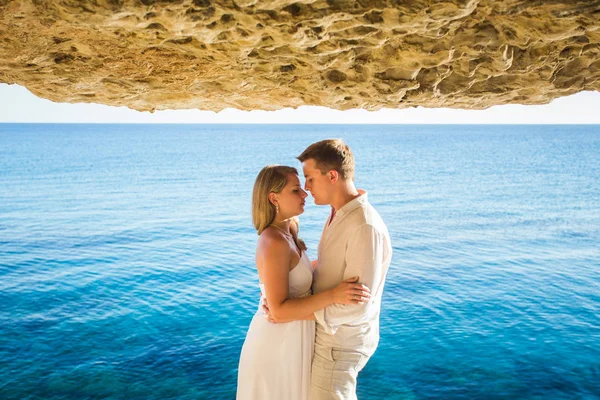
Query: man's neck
[(345, 195)]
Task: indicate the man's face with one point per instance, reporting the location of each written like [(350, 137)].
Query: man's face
[(317, 183)]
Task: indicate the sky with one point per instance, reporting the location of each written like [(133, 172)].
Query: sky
[(17, 104)]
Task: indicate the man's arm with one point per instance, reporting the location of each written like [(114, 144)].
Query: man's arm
[(364, 258)]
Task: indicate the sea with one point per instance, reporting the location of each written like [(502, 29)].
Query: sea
[(127, 257)]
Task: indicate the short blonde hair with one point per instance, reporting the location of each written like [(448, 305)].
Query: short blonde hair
[(271, 179), (331, 154)]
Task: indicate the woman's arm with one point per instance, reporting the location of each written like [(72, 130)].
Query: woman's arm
[(310, 317), (275, 259)]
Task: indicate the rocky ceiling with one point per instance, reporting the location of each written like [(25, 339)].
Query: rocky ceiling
[(270, 54)]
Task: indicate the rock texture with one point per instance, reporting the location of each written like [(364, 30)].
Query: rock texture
[(270, 54)]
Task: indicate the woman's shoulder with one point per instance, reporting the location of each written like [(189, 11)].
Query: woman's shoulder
[(271, 238), (272, 248)]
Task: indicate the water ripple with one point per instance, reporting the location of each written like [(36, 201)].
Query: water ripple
[(127, 258)]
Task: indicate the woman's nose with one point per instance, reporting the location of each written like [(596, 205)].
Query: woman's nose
[(304, 194)]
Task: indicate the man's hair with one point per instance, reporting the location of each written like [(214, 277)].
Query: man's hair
[(331, 154)]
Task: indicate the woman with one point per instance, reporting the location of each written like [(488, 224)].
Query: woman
[(276, 357)]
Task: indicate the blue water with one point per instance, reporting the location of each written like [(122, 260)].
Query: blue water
[(126, 258)]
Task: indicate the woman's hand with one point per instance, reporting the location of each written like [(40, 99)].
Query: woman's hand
[(351, 292), (268, 316)]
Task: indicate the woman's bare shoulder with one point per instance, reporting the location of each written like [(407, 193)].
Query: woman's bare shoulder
[(271, 241)]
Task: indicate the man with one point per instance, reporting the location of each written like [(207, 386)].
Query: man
[(354, 242)]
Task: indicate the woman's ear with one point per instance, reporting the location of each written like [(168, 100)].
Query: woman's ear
[(273, 198)]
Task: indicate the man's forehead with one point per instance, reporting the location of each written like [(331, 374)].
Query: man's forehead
[(308, 165), (307, 171)]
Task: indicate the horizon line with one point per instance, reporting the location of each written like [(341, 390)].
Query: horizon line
[(291, 123)]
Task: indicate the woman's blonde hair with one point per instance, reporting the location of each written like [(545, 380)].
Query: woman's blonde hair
[(271, 178)]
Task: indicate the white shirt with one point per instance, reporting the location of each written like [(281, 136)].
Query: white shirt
[(355, 243)]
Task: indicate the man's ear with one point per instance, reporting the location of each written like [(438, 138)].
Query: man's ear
[(333, 176)]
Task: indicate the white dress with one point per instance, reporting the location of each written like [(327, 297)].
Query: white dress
[(276, 358)]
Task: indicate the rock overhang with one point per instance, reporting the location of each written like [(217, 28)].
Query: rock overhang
[(268, 55)]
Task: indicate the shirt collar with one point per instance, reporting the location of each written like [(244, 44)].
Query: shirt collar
[(353, 204)]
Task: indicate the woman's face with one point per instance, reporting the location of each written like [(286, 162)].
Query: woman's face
[(291, 198)]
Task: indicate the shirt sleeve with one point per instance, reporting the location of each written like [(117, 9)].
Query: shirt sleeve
[(364, 258)]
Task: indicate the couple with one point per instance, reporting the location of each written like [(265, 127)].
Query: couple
[(284, 357)]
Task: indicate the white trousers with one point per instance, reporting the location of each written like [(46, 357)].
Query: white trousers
[(334, 373)]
